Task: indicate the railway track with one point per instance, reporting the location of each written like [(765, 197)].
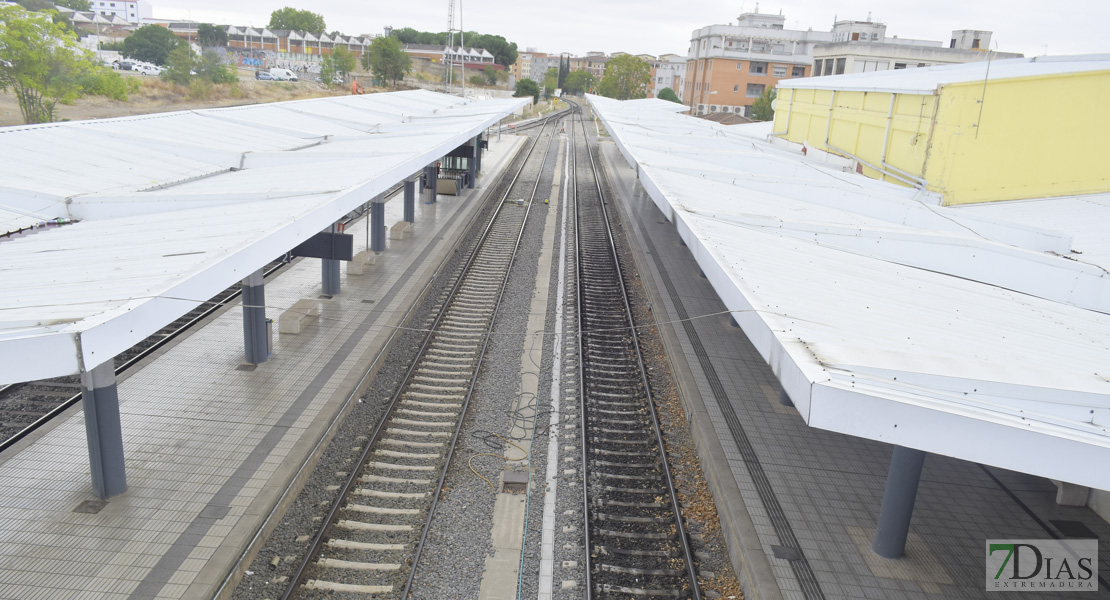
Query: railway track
[(372, 538), (635, 541)]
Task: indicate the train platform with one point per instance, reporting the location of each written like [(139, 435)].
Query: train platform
[(212, 443), (799, 505)]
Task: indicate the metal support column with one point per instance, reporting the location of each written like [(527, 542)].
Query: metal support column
[(100, 400), (472, 164), (329, 270), (898, 500), (377, 226), (430, 176), (410, 201), (478, 141), (256, 349)]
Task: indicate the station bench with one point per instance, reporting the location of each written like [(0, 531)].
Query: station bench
[(399, 229), (293, 318), (357, 264)]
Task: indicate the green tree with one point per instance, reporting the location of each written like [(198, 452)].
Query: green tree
[(210, 35), (329, 73), (299, 20), (527, 87), (82, 5), (626, 77), (579, 81), (668, 94), (183, 67), (387, 60), (41, 62), (550, 82), (490, 74), (761, 108), (211, 66), (345, 62), (150, 43), (35, 5), (504, 52), (180, 65)]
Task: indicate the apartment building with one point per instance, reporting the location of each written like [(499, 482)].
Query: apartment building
[(729, 66), (668, 71), (856, 53)]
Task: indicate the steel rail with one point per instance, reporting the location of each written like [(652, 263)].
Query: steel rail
[(316, 546), (634, 335)]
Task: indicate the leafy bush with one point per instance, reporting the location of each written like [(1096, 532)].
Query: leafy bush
[(105, 82)]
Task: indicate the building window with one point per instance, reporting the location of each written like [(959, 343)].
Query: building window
[(839, 65), (799, 72), (739, 66), (975, 43), (778, 71), (952, 44), (828, 66), (758, 68), (899, 65), (817, 67), (736, 88), (755, 90)]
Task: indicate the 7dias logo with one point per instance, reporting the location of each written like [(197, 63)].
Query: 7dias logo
[(1042, 565)]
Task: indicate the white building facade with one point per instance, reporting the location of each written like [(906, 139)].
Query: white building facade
[(669, 71), (132, 11)]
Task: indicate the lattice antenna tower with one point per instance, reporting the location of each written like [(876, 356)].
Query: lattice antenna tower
[(449, 79)]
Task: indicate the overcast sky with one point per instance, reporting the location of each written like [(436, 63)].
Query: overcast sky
[(664, 26)]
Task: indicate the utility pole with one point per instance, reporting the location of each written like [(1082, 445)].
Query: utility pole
[(449, 80)]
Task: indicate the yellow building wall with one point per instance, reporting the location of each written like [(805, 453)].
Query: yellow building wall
[(1037, 137), (860, 122)]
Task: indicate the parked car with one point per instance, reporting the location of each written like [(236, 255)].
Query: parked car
[(124, 65), (148, 70), (283, 74), (264, 75)]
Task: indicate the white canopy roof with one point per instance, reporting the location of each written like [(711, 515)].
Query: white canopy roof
[(925, 80), (175, 207), (972, 333)]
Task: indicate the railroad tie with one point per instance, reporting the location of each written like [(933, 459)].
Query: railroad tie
[(316, 584), (365, 546), (396, 495), (397, 467), (413, 455), (360, 526), (383, 479), (381, 510), (359, 566)]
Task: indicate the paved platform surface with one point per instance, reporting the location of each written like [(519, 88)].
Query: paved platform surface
[(815, 494), (210, 447)]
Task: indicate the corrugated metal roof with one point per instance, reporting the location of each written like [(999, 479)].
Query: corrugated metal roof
[(924, 80), (173, 208), (890, 318)]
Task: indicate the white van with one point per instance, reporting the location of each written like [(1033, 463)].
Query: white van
[(283, 74)]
